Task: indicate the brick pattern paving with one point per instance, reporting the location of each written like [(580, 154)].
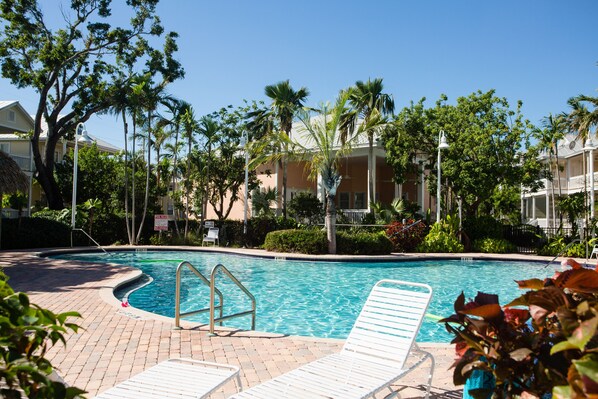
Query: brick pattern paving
[(117, 342)]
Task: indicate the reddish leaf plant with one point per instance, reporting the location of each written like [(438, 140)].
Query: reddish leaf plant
[(544, 342)]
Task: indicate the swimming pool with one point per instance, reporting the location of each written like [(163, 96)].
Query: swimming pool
[(320, 299)]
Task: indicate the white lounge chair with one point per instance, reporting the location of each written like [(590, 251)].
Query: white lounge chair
[(594, 252), (377, 353), (175, 378), (212, 236)]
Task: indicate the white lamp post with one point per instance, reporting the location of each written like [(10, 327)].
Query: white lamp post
[(244, 141), (442, 144), (589, 146), (80, 136)]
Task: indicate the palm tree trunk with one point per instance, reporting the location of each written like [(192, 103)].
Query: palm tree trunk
[(558, 173), (147, 173), (552, 193), (371, 198), (331, 224), (188, 179), (285, 164), (174, 173), (126, 128), (133, 198)]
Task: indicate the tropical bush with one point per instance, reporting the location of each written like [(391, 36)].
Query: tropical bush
[(405, 238), (557, 245), (306, 208), (482, 227), (543, 343), (494, 246), (441, 238), (27, 332), (300, 241), (34, 233), (362, 243), (313, 241)]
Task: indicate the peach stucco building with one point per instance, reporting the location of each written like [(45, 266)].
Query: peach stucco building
[(352, 194)]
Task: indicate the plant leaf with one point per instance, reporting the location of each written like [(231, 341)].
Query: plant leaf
[(587, 366), (562, 392), (533, 284), (583, 280), (584, 333), (562, 346), (520, 354), (489, 312)]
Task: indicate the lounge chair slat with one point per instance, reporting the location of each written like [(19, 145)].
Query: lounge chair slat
[(372, 357)]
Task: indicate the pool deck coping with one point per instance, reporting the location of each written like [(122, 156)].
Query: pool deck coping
[(100, 357)]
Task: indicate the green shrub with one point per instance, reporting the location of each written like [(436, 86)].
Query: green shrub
[(27, 332), (306, 208), (300, 241), (494, 246), (482, 227), (34, 233), (363, 243), (315, 242), (441, 239)]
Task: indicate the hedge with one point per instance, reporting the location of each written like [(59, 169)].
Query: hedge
[(315, 242)]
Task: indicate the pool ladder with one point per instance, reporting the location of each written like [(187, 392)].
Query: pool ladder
[(213, 292)]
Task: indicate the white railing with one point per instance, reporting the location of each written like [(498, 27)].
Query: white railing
[(354, 215)]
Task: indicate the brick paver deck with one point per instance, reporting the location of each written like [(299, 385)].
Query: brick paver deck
[(118, 342)]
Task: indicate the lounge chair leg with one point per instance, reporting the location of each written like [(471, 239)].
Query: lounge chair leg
[(430, 376)]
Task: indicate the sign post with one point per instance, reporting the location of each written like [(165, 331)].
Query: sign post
[(160, 223)]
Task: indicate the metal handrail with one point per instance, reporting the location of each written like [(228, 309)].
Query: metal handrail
[(212, 297), (575, 241), (177, 310), (88, 236)]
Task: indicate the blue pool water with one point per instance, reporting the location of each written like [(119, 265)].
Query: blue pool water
[(320, 299)]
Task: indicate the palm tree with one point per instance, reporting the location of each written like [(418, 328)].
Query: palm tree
[(555, 128), (209, 128), (368, 101), (286, 102), (579, 121), (323, 151), (190, 126)]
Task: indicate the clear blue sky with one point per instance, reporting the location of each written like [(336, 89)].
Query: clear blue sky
[(539, 52)]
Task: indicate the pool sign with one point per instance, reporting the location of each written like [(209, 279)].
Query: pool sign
[(160, 222), (208, 224)]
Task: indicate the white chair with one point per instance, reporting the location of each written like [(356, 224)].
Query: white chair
[(212, 236), (175, 378), (378, 351), (594, 251)]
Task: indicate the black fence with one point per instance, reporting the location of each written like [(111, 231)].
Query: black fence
[(529, 239)]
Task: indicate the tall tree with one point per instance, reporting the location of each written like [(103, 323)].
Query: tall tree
[(190, 126), (369, 101), (580, 121), (209, 129), (486, 137), (554, 130), (286, 102), (74, 68), (323, 150)]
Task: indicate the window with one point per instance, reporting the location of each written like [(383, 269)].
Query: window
[(5, 147), (359, 201), (12, 117), (343, 201)]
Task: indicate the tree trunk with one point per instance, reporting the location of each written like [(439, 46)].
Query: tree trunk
[(372, 195), (147, 173), (126, 131), (285, 164), (133, 198), (174, 174), (331, 224), (45, 174), (204, 205), (187, 188), (558, 173)]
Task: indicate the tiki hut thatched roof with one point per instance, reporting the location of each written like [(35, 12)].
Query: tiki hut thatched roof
[(12, 178)]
